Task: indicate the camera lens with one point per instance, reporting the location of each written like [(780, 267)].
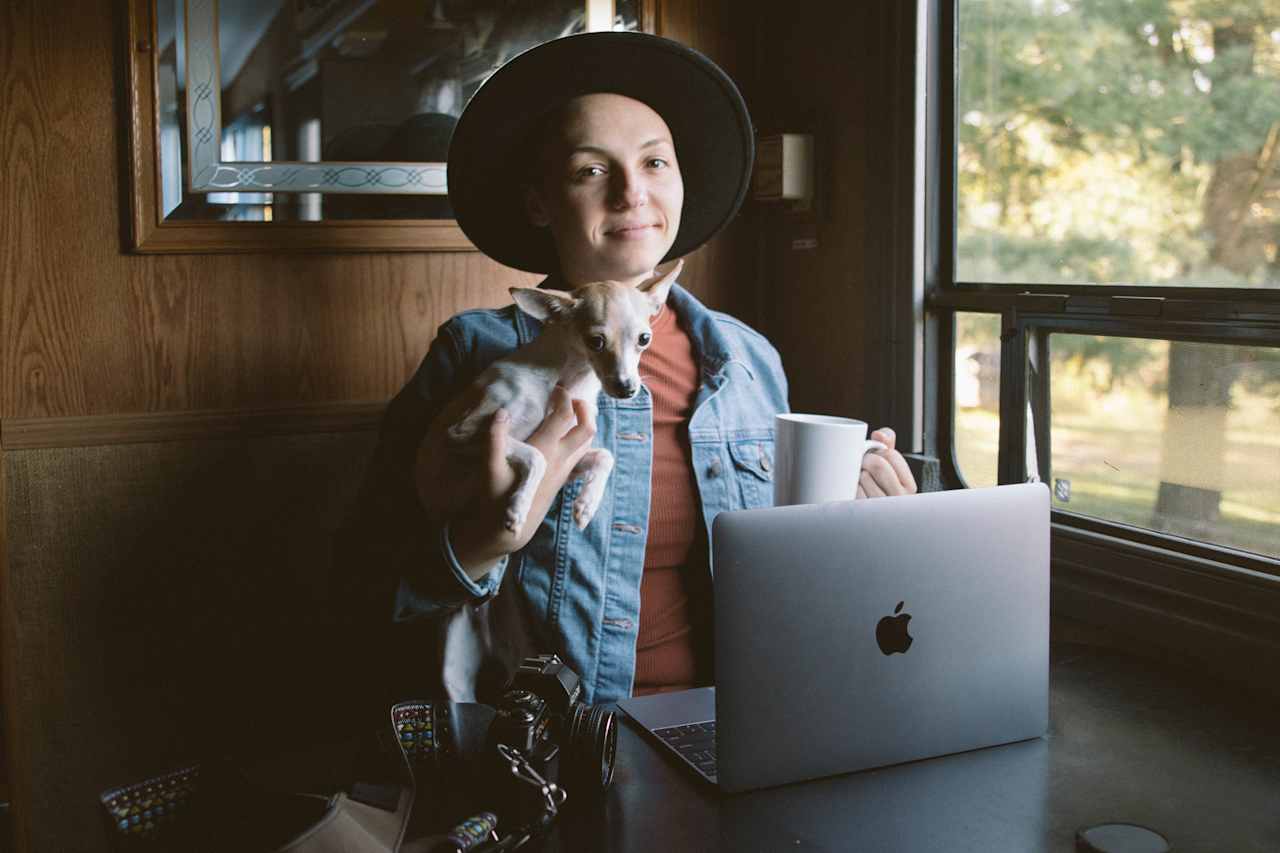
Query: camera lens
[(591, 744)]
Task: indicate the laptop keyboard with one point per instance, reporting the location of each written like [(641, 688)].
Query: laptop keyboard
[(695, 743)]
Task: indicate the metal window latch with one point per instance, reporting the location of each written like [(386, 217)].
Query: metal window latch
[(1136, 306), (1041, 303)]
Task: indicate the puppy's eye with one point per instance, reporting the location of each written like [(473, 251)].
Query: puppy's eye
[(596, 343), (645, 337)]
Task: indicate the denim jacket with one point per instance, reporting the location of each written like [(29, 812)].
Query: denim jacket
[(584, 585)]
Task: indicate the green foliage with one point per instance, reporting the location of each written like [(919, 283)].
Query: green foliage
[(1091, 133), (1145, 71), (997, 257), (1108, 361), (978, 330)]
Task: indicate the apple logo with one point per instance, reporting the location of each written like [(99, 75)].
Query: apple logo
[(891, 632)]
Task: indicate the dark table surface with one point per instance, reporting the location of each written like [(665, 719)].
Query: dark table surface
[(1130, 739)]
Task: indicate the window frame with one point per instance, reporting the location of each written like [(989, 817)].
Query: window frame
[(1195, 595)]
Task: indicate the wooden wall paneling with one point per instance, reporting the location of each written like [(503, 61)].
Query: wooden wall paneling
[(720, 275), (889, 168), (205, 332), (419, 296), (169, 601), (35, 124), (723, 273), (148, 428), (722, 29), (9, 768), (811, 75), (347, 327)]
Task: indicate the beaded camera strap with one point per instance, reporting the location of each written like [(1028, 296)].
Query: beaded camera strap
[(419, 729), (142, 809)]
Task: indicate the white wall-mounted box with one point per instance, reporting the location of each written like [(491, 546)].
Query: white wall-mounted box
[(784, 167)]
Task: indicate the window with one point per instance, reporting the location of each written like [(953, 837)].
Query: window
[(1177, 437), (1110, 142), (1103, 252), (977, 396)]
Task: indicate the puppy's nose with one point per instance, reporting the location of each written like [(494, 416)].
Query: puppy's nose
[(623, 388)]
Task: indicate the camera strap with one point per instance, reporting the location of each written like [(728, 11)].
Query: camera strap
[(422, 730)]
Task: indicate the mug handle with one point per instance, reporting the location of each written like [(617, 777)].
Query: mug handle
[(871, 444)]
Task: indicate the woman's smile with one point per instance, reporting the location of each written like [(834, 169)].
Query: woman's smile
[(632, 232)]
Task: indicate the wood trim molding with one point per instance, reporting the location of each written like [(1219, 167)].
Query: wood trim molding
[(94, 430), (13, 764)]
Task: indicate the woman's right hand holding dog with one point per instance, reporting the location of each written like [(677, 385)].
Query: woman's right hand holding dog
[(475, 497)]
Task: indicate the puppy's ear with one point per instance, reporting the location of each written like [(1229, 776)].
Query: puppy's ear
[(657, 289), (546, 305)]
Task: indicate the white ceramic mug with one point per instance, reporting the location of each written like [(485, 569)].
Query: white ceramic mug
[(818, 458)]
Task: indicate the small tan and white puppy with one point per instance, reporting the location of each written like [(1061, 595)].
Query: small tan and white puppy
[(591, 340)]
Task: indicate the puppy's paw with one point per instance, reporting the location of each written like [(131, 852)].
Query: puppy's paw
[(513, 520), (461, 432), (583, 512)]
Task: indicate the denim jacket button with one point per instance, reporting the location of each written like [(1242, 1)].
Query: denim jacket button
[(765, 464), (713, 470)]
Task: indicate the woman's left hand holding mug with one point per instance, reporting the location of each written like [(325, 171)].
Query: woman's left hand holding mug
[(885, 472)]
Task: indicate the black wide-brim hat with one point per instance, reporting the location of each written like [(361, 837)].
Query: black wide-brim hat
[(489, 156)]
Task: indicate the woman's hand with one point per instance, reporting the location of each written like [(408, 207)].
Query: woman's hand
[(473, 492), (885, 472)]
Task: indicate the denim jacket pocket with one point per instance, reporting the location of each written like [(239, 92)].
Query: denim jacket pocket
[(753, 462)]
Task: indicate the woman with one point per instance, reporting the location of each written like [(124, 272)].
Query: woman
[(588, 158)]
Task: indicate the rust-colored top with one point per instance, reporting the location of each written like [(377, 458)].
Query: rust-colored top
[(673, 645)]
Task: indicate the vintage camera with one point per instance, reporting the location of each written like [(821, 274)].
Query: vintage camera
[(535, 750), (565, 741)]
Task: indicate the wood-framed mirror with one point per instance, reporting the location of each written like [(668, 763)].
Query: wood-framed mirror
[(316, 125)]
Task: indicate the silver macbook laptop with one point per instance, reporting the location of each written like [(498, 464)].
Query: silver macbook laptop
[(864, 633)]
